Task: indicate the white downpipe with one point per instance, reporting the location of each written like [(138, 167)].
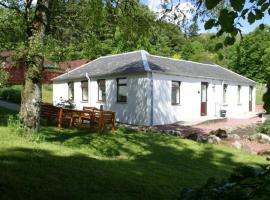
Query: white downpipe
[(89, 84)]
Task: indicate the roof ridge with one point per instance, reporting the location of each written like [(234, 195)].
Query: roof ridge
[(119, 54), (214, 65), (145, 60)]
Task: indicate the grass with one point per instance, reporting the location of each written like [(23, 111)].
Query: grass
[(260, 89), (72, 164), (47, 95)]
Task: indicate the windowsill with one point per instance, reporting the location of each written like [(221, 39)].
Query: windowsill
[(225, 105), (176, 104), (239, 104), (101, 101), (84, 101)]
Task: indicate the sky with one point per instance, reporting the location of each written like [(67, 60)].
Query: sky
[(246, 27)]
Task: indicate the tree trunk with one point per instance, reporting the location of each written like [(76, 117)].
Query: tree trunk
[(31, 95)]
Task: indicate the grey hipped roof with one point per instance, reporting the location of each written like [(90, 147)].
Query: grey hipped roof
[(142, 61)]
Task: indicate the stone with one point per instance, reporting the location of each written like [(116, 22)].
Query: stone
[(219, 133), (192, 136), (233, 137), (261, 138), (237, 145), (213, 139), (264, 153)]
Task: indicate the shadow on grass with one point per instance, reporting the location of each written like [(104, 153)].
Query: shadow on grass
[(5, 114), (155, 169)]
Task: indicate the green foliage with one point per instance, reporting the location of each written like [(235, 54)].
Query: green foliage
[(230, 14), (266, 98), (11, 94), (3, 77), (251, 56), (264, 128), (245, 183)]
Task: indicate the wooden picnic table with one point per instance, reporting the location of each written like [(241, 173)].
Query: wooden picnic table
[(101, 118)]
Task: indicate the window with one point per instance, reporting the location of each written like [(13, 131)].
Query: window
[(84, 85), (71, 91), (239, 94), (225, 86), (175, 92), (102, 90), (121, 90)]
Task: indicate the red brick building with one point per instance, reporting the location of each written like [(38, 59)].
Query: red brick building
[(51, 70)]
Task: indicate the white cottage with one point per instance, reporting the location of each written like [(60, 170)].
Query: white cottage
[(145, 89)]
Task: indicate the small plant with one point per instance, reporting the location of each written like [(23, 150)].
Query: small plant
[(15, 125), (69, 104), (264, 128), (245, 183)]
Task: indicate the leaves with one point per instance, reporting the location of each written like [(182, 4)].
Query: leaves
[(218, 46), (259, 15), (237, 5), (265, 6), (209, 24), (210, 4), (226, 20), (244, 12), (229, 40), (251, 18)]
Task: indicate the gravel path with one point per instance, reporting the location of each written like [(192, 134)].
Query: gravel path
[(228, 124)]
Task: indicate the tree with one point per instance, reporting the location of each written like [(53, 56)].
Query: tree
[(250, 56), (36, 23), (3, 77), (266, 98), (224, 15)]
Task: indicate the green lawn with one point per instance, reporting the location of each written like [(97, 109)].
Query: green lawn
[(47, 95), (71, 164)]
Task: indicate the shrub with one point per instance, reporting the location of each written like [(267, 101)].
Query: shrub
[(11, 94), (69, 104), (245, 183), (266, 98), (264, 128)]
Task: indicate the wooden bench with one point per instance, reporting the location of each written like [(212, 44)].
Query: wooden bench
[(99, 118), (58, 114), (49, 112)]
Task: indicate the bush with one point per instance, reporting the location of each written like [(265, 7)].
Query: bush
[(264, 128), (266, 98), (10, 94), (245, 183)]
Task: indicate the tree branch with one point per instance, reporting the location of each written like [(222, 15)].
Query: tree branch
[(11, 7)]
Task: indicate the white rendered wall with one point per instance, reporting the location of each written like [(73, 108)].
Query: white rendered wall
[(60, 90), (137, 108), (190, 99), (135, 111)]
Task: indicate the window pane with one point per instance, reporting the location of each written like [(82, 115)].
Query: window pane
[(204, 88), (175, 83), (84, 86), (122, 93), (71, 91), (101, 90), (175, 98), (225, 93), (122, 81), (239, 94)]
